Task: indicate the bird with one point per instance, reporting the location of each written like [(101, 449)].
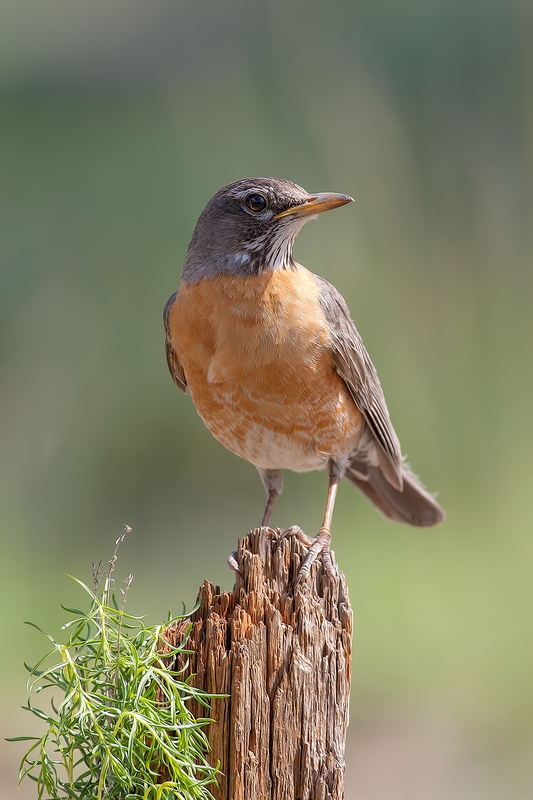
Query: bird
[(274, 363)]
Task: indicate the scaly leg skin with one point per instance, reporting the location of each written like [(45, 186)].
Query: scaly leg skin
[(320, 545), (273, 482)]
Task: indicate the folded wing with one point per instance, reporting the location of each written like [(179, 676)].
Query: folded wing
[(353, 364), (174, 365), (378, 468)]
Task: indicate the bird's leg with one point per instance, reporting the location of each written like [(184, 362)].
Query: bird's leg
[(232, 563), (273, 483), (320, 545), (269, 507)]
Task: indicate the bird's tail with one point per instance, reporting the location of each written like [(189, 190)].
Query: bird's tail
[(413, 505)]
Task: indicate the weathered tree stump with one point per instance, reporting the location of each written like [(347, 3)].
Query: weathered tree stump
[(284, 658)]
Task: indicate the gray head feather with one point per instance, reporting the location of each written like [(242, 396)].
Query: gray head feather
[(231, 238)]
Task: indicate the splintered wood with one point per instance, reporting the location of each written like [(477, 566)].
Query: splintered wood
[(284, 658)]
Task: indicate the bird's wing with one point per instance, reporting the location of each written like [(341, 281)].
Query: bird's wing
[(353, 364), (174, 365)]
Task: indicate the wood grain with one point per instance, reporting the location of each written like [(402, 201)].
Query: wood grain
[(284, 658)]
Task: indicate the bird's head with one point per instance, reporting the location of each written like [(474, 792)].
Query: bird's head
[(249, 226)]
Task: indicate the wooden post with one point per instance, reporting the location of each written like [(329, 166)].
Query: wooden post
[(284, 658)]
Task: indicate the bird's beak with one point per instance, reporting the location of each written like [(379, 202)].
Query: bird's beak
[(316, 204)]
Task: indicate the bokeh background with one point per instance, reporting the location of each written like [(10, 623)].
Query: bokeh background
[(118, 120)]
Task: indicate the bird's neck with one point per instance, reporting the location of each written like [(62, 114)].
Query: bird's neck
[(268, 252)]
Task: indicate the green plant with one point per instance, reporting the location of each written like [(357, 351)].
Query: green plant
[(122, 728)]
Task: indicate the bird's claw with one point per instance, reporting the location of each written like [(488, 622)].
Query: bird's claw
[(232, 563), (302, 537), (318, 546)]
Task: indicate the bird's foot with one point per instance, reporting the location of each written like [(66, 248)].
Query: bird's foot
[(232, 562), (270, 531), (232, 558), (318, 546)]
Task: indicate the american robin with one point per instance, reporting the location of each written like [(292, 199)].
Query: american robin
[(274, 363)]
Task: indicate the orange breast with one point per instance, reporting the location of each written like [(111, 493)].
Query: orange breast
[(256, 353)]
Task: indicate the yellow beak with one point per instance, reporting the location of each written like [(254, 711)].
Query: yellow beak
[(316, 204)]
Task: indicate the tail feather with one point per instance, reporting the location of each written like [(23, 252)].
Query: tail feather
[(413, 505)]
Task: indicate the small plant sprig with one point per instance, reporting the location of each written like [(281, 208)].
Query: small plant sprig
[(122, 728)]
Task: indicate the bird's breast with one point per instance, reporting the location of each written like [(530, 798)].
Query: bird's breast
[(257, 355)]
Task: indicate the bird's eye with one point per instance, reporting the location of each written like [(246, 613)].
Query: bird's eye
[(256, 203)]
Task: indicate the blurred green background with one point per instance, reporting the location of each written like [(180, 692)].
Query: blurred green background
[(118, 120)]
